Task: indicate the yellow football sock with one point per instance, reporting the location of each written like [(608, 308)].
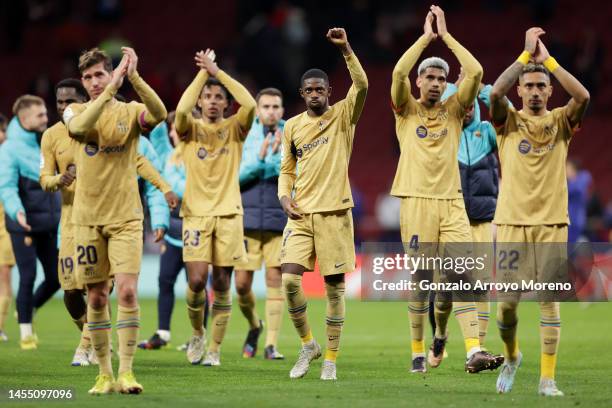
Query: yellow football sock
[(98, 321), (85, 336), (466, 315), (247, 306), (507, 321), (336, 310), (128, 326), (550, 331), (296, 303), (274, 314), (5, 304), (221, 312), (195, 308), (417, 311), (484, 310)]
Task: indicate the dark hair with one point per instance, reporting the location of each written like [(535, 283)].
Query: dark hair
[(215, 82), (314, 73), (74, 84), (3, 121), (92, 57), (25, 101), (531, 67), (268, 91)]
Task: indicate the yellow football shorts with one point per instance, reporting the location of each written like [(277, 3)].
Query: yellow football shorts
[(102, 251), (327, 237), (218, 240), (261, 246)]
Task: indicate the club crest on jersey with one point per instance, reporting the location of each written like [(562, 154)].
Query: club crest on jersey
[(202, 153), (91, 149), (421, 132), (122, 127), (222, 134), (524, 147), (322, 124), (550, 130)]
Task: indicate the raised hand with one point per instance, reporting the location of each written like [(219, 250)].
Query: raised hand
[(440, 20), (206, 61), (541, 53), (119, 73), (428, 27), (277, 140), (264, 148), (337, 36), (132, 60), (531, 39)]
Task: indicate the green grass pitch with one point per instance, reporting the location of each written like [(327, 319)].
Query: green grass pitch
[(373, 366)]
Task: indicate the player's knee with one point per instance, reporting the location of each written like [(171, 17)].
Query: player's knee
[(550, 309), (221, 280), (292, 283), (273, 278), (243, 287), (197, 283), (443, 305), (127, 295), (97, 299)]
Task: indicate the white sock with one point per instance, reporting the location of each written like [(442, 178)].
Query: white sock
[(164, 335), (25, 329), (472, 351)]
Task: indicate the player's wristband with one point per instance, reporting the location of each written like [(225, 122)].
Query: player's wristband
[(524, 57), (551, 64)]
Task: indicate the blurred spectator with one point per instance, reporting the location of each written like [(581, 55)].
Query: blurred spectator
[(589, 60), (108, 10), (578, 184), (112, 46), (388, 217), (3, 125)]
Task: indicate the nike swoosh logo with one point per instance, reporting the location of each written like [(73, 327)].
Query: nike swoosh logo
[(339, 265), (237, 258)]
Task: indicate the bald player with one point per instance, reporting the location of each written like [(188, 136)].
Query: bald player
[(532, 208)]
